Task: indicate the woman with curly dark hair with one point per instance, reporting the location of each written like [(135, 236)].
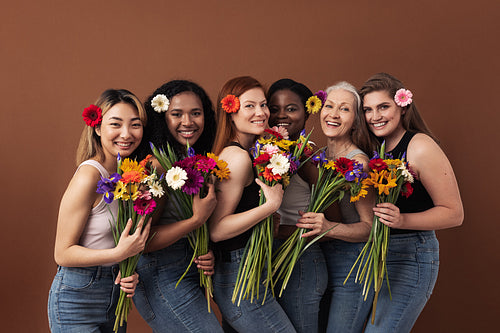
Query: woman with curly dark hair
[(179, 113)]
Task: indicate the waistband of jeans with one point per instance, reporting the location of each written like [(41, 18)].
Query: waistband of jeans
[(97, 271), (229, 256), (422, 234)]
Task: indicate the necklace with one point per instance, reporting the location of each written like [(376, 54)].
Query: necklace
[(339, 154)]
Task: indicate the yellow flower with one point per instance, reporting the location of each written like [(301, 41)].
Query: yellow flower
[(221, 171), (126, 191), (361, 193), (120, 191), (284, 144), (286, 179), (264, 141), (313, 104), (129, 165), (329, 165)]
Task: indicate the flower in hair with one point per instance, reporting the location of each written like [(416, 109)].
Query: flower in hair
[(230, 103), (92, 115), (321, 95), (403, 97), (160, 103), (313, 104)]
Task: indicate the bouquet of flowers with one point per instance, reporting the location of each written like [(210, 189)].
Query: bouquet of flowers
[(390, 178), (335, 177), (133, 186), (186, 178), (275, 158)]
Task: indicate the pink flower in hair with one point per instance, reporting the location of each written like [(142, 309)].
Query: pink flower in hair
[(403, 97)]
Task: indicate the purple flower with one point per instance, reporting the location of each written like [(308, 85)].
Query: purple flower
[(108, 197), (320, 159), (389, 156), (350, 176), (194, 182), (191, 151), (294, 164), (321, 95), (375, 155), (303, 132)]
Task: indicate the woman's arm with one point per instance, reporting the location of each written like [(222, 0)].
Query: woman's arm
[(76, 204), (224, 224), (352, 232), (436, 174)]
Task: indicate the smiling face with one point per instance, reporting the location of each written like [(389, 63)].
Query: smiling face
[(120, 131), (252, 117), (382, 115), (184, 118), (287, 110), (338, 114)]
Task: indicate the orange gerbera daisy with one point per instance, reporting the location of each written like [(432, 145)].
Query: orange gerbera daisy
[(230, 104), (269, 176)]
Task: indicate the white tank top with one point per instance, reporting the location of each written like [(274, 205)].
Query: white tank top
[(97, 233)]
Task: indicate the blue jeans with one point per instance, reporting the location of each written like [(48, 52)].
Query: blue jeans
[(163, 306), (83, 299), (412, 266), (248, 317), (301, 298)]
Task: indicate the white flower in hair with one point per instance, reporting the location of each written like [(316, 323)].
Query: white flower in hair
[(160, 103)]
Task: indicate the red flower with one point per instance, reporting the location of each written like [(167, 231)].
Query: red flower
[(269, 176), (92, 115), (272, 132), (230, 103), (406, 190), (377, 164), (344, 165), (262, 159)]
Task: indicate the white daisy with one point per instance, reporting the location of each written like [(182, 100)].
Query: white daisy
[(160, 103), (279, 164), (156, 189), (406, 173), (176, 177)]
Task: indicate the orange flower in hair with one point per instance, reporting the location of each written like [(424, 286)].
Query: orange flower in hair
[(230, 104)]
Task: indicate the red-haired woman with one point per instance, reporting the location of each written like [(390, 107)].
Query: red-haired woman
[(238, 210)]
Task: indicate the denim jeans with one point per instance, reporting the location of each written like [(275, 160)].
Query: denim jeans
[(83, 299), (163, 306), (301, 298), (248, 317), (412, 266)]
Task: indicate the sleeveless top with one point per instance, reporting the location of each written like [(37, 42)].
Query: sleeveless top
[(348, 209), (249, 199), (97, 232), (296, 197), (419, 200)]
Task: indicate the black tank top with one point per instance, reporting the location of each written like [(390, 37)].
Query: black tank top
[(249, 199), (419, 200)]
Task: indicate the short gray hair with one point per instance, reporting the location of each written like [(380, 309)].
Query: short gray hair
[(347, 87)]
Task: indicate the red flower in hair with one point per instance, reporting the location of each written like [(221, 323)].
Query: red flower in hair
[(230, 103), (377, 164), (344, 165), (92, 115)]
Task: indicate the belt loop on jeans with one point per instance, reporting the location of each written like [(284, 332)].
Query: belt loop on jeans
[(98, 272)]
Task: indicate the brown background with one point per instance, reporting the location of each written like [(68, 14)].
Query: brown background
[(58, 56)]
